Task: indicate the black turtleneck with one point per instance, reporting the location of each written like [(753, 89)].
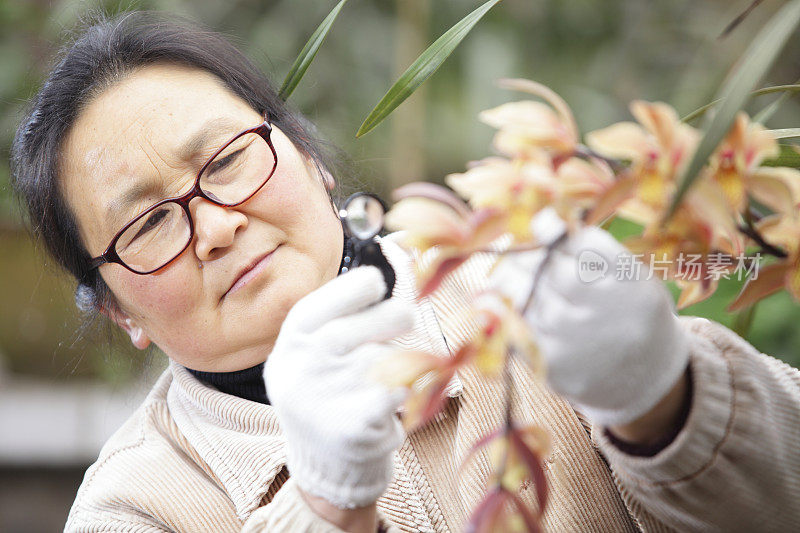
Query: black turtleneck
[(249, 383)]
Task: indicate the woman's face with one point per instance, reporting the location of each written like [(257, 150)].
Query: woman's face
[(132, 138)]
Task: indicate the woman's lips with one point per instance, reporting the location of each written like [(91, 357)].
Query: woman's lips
[(250, 273)]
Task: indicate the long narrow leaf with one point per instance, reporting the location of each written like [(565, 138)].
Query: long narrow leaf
[(786, 89), (757, 60), (308, 53), (788, 133), (765, 114), (743, 320), (422, 68)]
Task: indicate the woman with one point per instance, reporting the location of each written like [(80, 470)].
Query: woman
[(194, 209)]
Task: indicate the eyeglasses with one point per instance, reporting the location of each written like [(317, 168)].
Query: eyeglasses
[(230, 177)]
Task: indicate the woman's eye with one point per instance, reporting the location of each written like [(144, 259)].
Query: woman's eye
[(152, 221), (220, 164)]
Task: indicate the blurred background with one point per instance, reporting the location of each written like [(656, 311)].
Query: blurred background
[(65, 387)]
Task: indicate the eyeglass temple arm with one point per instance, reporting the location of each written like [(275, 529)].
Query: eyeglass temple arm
[(97, 261)]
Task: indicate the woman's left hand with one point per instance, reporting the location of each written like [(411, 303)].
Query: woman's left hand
[(612, 346)]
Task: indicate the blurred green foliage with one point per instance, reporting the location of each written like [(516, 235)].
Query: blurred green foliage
[(598, 54)]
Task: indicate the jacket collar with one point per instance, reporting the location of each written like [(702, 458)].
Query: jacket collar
[(240, 441)]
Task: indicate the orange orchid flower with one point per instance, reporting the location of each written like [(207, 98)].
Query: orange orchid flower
[(522, 188), (426, 376), (658, 148), (502, 330), (783, 231), (735, 166), (515, 455), (432, 217), (519, 188), (527, 128), (702, 230)]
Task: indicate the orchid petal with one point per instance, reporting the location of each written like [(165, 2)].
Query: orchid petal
[(403, 368), (432, 192), (530, 521), (421, 406), (771, 279), (780, 230), (695, 291), (428, 222), (521, 145), (488, 512), (594, 172), (477, 446), (610, 200), (488, 225), (624, 140), (790, 177), (792, 281), (487, 184), (438, 271), (528, 118), (772, 191), (533, 464), (658, 118), (546, 94)]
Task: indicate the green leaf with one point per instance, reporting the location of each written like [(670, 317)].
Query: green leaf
[(308, 52), (765, 114), (786, 89), (758, 58), (743, 320), (422, 68), (789, 157), (788, 133)]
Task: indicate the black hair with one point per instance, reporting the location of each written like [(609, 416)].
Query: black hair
[(103, 52)]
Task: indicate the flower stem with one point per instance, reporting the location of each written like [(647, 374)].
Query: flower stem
[(549, 249), (508, 383), (749, 230), (587, 153)]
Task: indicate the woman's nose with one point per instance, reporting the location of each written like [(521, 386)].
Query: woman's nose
[(215, 227)]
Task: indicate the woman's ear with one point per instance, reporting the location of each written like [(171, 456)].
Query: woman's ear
[(328, 180), (138, 337)]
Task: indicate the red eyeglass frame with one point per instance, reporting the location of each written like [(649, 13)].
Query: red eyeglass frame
[(264, 130)]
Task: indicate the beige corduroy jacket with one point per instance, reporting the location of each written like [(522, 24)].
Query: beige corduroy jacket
[(193, 459)]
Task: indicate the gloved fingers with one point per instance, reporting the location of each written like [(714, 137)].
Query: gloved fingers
[(595, 239), (343, 295), (363, 407), (590, 269), (368, 360), (546, 226), (550, 312), (513, 274), (563, 275), (378, 439), (382, 322)]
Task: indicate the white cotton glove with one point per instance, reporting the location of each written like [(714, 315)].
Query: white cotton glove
[(612, 346), (340, 424)]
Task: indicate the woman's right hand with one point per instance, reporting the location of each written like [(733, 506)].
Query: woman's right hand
[(340, 425)]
